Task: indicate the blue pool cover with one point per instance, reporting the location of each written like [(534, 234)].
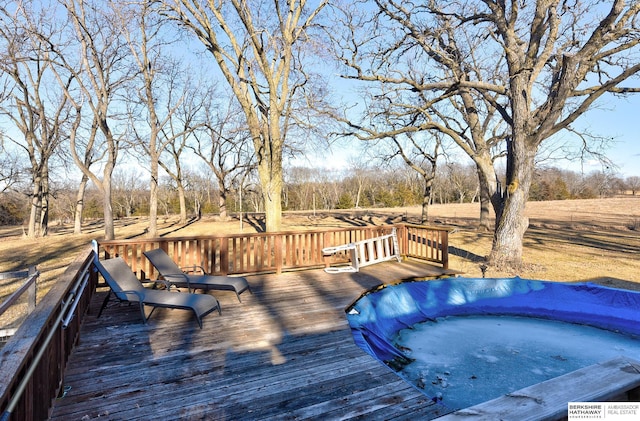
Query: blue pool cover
[(377, 316)]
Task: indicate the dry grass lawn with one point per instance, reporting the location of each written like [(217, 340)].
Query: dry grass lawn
[(578, 240)]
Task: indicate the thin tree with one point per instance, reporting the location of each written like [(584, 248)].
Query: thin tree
[(190, 115), (223, 145), (160, 91)]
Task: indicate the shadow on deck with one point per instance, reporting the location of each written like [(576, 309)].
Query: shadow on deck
[(285, 352)]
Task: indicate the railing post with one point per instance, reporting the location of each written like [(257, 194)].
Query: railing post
[(224, 256), (401, 234), (31, 292), (325, 243), (278, 252), (445, 249)]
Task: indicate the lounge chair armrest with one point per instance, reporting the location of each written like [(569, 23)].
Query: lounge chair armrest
[(136, 293), (193, 269), (164, 282), (177, 277)]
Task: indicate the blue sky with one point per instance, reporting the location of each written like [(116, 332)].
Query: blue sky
[(618, 118), (613, 117)]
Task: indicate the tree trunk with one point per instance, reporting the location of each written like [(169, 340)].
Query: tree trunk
[(109, 228), (273, 211), (271, 180), (358, 194), (488, 186), (222, 198), (153, 200), (511, 222), (271, 175), (222, 203), (183, 204), (484, 224), (34, 214), (43, 222), (77, 224), (426, 199)]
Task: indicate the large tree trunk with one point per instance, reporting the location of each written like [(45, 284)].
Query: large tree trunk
[(271, 182), (484, 223), (511, 222), (222, 198), (222, 203), (269, 154)]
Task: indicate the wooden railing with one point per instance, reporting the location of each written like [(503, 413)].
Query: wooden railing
[(32, 362), (274, 252), (25, 293)]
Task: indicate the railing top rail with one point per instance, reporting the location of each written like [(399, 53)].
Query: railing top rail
[(33, 275), (267, 234), (429, 227)]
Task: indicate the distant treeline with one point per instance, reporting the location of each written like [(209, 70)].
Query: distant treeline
[(311, 188)]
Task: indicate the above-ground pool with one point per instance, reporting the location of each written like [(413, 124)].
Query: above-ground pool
[(463, 341)]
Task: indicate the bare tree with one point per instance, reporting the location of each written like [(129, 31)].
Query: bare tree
[(571, 58), (257, 47), (128, 192), (10, 169), (187, 117), (424, 161), (554, 61), (463, 184), (223, 145), (633, 184), (35, 107), (410, 68), (101, 76), (161, 90)]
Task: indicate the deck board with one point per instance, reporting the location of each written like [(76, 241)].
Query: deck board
[(285, 352)]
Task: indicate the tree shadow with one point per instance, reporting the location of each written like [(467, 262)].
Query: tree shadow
[(590, 237), (615, 283), (467, 255), (257, 221), (177, 228)]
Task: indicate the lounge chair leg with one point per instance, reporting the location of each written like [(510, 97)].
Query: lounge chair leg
[(149, 316), (104, 303), (144, 318)]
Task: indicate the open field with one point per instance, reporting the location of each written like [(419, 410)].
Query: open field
[(575, 240)]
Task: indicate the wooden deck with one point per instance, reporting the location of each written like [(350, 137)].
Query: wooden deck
[(285, 352)]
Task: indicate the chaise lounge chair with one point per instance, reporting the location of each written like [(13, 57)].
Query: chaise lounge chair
[(175, 276), (126, 287)]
